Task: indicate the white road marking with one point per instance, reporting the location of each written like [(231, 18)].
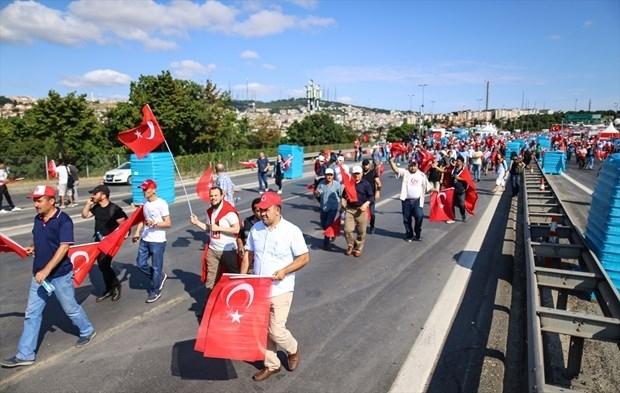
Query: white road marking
[(419, 365), (575, 182)]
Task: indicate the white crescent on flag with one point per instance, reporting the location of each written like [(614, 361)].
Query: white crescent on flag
[(151, 128), (439, 197), (235, 316), (76, 254)]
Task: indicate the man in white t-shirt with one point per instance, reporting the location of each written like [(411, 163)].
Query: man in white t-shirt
[(223, 225), (152, 236), (62, 172), (277, 248), (412, 191)]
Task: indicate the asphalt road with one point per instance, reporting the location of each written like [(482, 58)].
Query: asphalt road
[(355, 318)]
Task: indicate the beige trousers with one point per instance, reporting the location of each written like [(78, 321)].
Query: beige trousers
[(355, 219), (279, 335), (217, 259)]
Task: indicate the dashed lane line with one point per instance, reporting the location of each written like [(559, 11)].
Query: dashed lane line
[(575, 182)]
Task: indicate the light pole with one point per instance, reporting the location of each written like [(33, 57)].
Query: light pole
[(423, 85)]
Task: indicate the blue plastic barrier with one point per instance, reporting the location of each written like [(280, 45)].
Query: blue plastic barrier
[(156, 166), (554, 162), (603, 228), (544, 142), (296, 169)]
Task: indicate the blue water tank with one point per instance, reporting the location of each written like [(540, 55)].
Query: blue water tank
[(156, 166), (296, 169)]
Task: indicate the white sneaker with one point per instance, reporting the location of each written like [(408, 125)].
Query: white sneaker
[(3, 211), (74, 205), (16, 209), (279, 191)]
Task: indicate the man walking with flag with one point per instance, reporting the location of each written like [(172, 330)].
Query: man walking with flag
[(358, 200), (52, 270), (276, 248), (108, 216), (152, 236), (413, 188), (329, 192), (223, 225), (225, 183)]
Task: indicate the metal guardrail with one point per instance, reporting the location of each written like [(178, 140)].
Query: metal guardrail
[(558, 263)]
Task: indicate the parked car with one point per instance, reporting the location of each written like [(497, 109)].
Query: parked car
[(122, 174)]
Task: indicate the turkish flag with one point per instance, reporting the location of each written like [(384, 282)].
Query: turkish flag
[(110, 244), (442, 205), (426, 159), (471, 194), (51, 168), (236, 320), (349, 185), (83, 258), (8, 245), (144, 138), (398, 149), (248, 164), (205, 184), (334, 229)]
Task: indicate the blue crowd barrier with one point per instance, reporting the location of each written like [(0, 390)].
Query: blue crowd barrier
[(554, 162), (156, 166)]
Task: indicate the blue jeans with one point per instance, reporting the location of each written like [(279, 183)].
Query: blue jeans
[(590, 162), (155, 272), (37, 299), (411, 208), (476, 170), (262, 181)]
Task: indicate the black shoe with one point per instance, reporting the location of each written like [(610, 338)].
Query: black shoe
[(103, 297), (116, 293), (83, 341), (15, 362), (370, 230), (464, 218), (326, 244), (417, 238)]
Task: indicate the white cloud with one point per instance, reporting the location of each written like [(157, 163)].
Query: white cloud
[(554, 37), (103, 77), (249, 54), (309, 4), (587, 23), (256, 89), (268, 66), (187, 69), (154, 25)]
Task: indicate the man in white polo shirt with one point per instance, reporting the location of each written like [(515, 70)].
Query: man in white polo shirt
[(412, 191), (276, 248)]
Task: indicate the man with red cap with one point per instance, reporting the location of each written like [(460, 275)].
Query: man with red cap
[(276, 248), (53, 274), (152, 236)]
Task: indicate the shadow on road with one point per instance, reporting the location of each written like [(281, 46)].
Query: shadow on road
[(194, 287), (189, 364)]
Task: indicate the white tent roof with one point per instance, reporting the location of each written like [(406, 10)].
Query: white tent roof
[(610, 128)]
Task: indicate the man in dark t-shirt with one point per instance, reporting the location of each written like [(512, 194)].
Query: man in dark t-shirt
[(372, 177), (108, 216)]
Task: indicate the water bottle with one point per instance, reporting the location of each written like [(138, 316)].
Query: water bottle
[(49, 287)]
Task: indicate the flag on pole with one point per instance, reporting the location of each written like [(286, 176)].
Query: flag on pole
[(442, 205), (205, 184), (83, 257), (110, 244), (8, 245), (144, 138), (236, 319)]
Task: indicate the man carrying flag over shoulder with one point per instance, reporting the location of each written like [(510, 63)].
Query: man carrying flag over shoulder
[(52, 274), (465, 195), (276, 248), (108, 216)]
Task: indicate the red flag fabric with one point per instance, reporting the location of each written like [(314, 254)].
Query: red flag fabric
[(442, 205), (398, 149), (8, 245), (349, 185), (51, 168), (471, 195), (236, 319), (205, 184), (83, 257), (144, 138), (110, 244), (426, 160), (248, 164), (334, 229)]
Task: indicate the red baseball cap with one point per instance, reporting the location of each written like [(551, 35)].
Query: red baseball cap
[(148, 183), (269, 199), (42, 190)]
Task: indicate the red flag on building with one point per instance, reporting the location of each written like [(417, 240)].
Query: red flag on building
[(349, 185), (471, 194), (144, 138), (8, 245), (426, 159), (83, 257), (110, 244), (205, 184), (236, 319), (442, 205)]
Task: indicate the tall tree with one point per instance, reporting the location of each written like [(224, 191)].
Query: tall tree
[(316, 129)]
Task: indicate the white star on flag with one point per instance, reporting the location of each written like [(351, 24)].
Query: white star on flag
[(138, 134), (236, 317)]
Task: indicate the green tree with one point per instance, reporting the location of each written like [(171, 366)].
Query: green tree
[(397, 134), (317, 129), (266, 133)]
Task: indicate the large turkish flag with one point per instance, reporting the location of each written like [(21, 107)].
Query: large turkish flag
[(205, 184), (8, 245), (442, 205), (83, 258), (110, 244), (144, 138), (236, 320)]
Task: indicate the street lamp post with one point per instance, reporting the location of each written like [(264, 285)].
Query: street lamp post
[(423, 85)]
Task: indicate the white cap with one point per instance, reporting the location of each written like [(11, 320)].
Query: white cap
[(329, 171), (340, 158), (321, 158), (357, 169)]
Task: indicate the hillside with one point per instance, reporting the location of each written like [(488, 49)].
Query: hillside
[(295, 103)]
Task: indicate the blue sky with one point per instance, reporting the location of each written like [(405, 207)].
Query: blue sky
[(549, 54)]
